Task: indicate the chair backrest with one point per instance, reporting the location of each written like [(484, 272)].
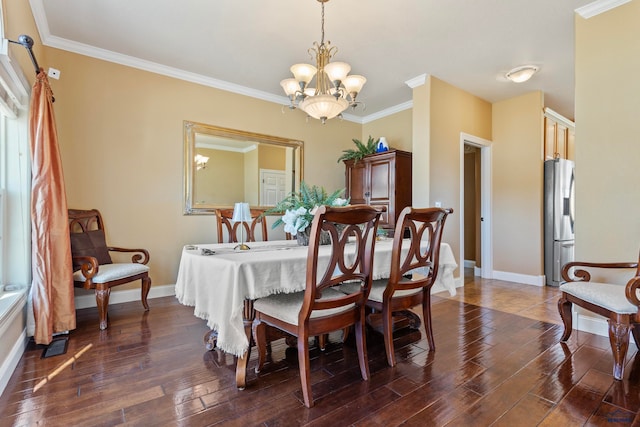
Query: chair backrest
[(352, 231), (424, 227), (258, 222), (87, 235)]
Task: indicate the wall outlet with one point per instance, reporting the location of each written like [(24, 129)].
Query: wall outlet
[(53, 73)]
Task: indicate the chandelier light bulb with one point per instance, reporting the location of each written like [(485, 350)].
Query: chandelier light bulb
[(303, 72), (337, 71)]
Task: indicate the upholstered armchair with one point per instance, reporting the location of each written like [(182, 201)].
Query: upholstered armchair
[(92, 263), (620, 304)]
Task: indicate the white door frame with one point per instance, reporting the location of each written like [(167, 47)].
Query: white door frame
[(486, 257)]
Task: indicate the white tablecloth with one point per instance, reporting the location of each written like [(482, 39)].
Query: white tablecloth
[(217, 285)]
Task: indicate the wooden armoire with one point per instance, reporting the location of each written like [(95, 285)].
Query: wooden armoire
[(381, 179)]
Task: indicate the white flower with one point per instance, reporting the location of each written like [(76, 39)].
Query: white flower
[(294, 220), (339, 202)]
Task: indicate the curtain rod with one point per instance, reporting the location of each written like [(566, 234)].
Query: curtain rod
[(27, 42)]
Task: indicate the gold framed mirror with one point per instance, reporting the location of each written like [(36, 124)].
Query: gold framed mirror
[(223, 166)]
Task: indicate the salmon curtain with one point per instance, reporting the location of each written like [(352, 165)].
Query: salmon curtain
[(52, 286)]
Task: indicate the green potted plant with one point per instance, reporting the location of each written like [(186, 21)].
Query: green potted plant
[(360, 151), (298, 209)]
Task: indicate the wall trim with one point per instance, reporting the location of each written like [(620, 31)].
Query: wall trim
[(586, 323), (598, 7), (469, 263), (11, 362), (12, 305), (117, 297), (525, 279)]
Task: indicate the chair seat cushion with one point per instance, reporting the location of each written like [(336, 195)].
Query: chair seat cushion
[(377, 289), (287, 307), (609, 296), (110, 272)]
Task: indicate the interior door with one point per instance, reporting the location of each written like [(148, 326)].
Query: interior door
[(272, 187)]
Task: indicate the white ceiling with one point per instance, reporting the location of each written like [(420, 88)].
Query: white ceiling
[(247, 46)]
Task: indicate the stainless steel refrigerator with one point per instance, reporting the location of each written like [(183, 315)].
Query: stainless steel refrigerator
[(559, 216)]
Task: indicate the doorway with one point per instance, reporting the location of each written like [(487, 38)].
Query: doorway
[(477, 207)]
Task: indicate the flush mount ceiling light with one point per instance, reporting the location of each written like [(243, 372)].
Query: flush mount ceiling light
[(521, 74), (335, 90)]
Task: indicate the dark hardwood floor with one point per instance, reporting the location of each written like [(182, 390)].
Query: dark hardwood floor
[(496, 363)]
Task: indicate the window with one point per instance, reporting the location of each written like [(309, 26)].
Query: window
[(15, 172)]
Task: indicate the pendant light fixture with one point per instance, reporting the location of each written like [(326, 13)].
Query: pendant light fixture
[(335, 90)]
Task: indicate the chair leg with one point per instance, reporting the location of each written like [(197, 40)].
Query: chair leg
[(102, 301), (564, 307), (619, 339), (260, 338), (426, 317), (361, 345), (305, 369), (146, 285), (387, 328), (322, 341)]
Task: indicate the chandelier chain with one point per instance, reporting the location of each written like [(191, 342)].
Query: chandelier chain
[(322, 26)]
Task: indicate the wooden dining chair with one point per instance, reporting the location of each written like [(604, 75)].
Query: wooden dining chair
[(618, 303), (253, 232), (413, 273), (320, 308), (92, 263)]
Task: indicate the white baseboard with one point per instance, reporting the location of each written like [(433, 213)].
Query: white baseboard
[(89, 299), (469, 263), (12, 360), (519, 278), (477, 271), (594, 325)]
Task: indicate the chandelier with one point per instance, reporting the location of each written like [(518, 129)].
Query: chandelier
[(335, 90)]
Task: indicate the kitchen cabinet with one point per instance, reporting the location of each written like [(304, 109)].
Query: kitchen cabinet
[(381, 179), (559, 136)]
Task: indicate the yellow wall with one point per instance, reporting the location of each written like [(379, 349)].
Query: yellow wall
[(452, 111), (271, 157), (518, 184), (208, 187), (421, 134), (396, 128), (607, 133)]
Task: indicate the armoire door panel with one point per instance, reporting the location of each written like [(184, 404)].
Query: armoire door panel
[(380, 181)]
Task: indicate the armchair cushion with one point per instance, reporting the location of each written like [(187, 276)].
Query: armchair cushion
[(110, 272), (287, 306), (91, 243), (605, 295)]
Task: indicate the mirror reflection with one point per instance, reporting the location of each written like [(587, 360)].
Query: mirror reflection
[(224, 166)]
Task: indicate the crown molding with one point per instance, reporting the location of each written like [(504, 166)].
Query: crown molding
[(599, 6), (416, 81), (387, 112)]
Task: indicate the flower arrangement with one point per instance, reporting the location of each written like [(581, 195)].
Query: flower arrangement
[(299, 207)]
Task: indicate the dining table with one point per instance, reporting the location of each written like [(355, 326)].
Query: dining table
[(221, 283)]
